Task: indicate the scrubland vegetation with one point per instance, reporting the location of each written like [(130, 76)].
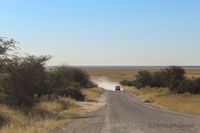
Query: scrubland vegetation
[(168, 88), (33, 99), (172, 77)]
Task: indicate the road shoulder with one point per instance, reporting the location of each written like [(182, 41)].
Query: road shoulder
[(154, 104)]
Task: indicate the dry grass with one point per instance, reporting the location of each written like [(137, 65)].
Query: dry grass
[(115, 74), (185, 103), (121, 73), (193, 73), (43, 117), (95, 99), (46, 115), (161, 97), (92, 93), (147, 94)]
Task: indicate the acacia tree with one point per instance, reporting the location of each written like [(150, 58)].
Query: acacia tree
[(6, 45), (27, 78), (144, 78)]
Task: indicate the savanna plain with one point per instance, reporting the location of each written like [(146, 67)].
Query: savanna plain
[(159, 97)]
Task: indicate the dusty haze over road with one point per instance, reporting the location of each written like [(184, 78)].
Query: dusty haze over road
[(106, 83)]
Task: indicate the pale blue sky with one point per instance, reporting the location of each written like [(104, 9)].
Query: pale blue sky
[(105, 32)]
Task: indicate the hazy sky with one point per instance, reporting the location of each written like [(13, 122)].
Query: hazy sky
[(105, 32)]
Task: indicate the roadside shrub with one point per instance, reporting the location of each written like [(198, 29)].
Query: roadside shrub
[(6, 45), (173, 75), (158, 79), (182, 86), (63, 76), (196, 89), (79, 76), (127, 83), (144, 78), (2, 121), (24, 80), (27, 78), (190, 86), (67, 81), (169, 77), (73, 91)]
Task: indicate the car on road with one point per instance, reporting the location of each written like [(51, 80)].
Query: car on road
[(117, 88)]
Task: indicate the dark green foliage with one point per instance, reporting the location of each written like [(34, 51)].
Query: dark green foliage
[(63, 77), (144, 78), (27, 77), (67, 81), (76, 75), (196, 88), (190, 86), (2, 121), (171, 77), (127, 83), (73, 91), (24, 80), (6, 45), (158, 79), (168, 77), (183, 86)]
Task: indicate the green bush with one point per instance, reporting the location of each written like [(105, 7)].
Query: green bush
[(25, 81), (171, 77), (168, 77), (158, 79), (127, 82), (27, 77), (196, 88), (63, 76), (73, 91), (190, 86), (144, 78), (67, 81)]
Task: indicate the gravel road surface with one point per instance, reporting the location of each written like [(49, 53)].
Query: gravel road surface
[(126, 114)]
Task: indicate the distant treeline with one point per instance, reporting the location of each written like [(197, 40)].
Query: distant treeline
[(172, 77), (24, 80)]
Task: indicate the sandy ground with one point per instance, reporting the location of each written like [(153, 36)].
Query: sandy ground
[(90, 106)]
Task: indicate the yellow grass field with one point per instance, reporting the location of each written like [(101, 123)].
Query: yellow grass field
[(185, 103), (43, 117)]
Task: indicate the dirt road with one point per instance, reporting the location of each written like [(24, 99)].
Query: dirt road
[(125, 114)]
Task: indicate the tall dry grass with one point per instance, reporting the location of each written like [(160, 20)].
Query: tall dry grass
[(46, 115), (185, 103), (92, 93), (43, 117)]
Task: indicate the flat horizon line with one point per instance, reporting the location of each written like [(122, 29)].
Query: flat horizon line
[(128, 66)]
